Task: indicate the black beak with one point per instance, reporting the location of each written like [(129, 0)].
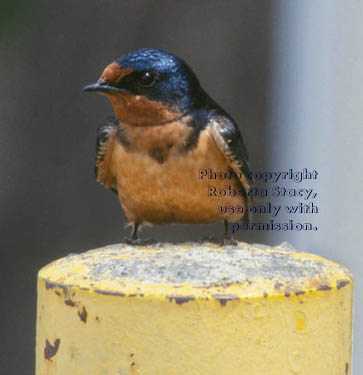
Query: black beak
[(100, 86)]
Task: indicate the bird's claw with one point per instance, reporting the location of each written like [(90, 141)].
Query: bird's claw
[(139, 241), (213, 239), (224, 241), (230, 242)]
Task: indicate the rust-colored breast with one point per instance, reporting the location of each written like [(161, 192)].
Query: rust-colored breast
[(158, 179)]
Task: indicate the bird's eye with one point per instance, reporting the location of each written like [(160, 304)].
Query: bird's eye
[(147, 79)]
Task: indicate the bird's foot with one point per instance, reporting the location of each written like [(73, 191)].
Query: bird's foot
[(139, 241), (229, 242), (213, 239), (224, 241)]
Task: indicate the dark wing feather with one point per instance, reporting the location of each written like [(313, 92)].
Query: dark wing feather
[(106, 134), (229, 140)]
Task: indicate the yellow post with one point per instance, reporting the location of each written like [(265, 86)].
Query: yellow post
[(194, 309)]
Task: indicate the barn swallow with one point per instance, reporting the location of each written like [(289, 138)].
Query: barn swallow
[(165, 130)]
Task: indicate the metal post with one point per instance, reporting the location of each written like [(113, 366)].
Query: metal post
[(194, 309)]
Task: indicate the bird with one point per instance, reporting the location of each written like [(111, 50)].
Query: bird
[(164, 131)]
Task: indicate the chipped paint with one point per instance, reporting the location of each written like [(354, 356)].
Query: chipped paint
[(51, 350), (323, 287), (299, 292), (224, 298), (147, 310), (109, 293), (179, 300), (342, 283), (83, 315), (69, 302)]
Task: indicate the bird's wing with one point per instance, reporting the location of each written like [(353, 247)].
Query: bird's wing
[(106, 135), (229, 140)]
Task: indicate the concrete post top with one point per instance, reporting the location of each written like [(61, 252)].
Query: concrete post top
[(190, 271), (194, 308)]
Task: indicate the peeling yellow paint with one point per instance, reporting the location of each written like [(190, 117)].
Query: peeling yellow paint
[(273, 321)]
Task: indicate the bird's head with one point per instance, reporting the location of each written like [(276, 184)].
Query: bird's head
[(149, 87)]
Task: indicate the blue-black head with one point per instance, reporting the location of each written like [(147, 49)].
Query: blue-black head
[(151, 75)]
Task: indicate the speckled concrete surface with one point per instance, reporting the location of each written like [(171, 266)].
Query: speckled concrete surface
[(202, 265)]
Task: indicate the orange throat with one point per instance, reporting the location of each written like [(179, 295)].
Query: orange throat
[(138, 110)]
